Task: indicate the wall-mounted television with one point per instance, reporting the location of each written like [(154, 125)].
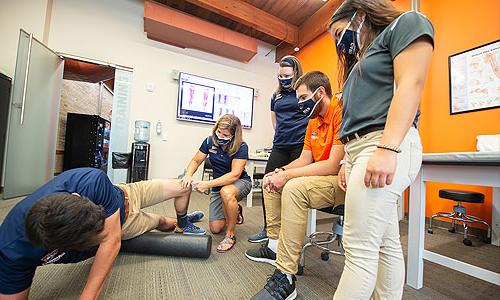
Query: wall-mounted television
[(206, 100)]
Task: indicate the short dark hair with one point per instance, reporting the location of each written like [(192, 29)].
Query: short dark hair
[(65, 221), (314, 80)]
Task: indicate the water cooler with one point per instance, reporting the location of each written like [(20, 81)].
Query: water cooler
[(139, 156)]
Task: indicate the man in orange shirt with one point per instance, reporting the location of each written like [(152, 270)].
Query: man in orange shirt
[(307, 182)]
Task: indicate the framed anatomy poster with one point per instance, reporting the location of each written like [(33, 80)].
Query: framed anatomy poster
[(475, 79)]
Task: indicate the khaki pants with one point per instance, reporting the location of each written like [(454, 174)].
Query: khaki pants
[(141, 195), (374, 263), (286, 214)]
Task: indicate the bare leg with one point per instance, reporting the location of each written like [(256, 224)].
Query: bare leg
[(217, 226), (228, 194), (166, 224), (172, 189), (181, 202)]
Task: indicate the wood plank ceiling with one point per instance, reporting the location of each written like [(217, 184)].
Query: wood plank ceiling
[(293, 12)]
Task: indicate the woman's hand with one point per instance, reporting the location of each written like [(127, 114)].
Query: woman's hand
[(342, 181), (381, 168), (201, 186), (186, 181)]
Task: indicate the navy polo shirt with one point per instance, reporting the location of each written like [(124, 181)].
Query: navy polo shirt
[(19, 258), (291, 122), (221, 160)]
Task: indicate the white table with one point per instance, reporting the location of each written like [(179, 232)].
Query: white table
[(253, 162), (475, 168)]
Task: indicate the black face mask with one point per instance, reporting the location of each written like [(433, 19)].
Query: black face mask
[(310, 106), (286, 83)]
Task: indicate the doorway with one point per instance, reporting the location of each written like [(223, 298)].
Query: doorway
[(87, 90), (34, 114)]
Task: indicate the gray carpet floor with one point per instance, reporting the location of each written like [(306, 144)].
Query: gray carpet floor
[(232, 276)]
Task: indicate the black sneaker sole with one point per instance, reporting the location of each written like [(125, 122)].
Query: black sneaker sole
[(272, 262), (292, 296), (259, 240)]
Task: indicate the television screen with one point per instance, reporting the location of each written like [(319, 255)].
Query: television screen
[(206, 100)]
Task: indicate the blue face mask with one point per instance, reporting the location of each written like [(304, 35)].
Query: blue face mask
[(286, 83), (309, 106), (222, 140), (349, 42)]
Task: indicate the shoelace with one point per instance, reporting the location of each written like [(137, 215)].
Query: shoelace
[(276, 286), (192, 226), (263, 251)]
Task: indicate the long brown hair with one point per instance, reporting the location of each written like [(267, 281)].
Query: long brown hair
[(233, 124), (378, 14), (294, 63)]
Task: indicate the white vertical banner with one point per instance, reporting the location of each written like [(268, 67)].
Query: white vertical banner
[(120, 122)]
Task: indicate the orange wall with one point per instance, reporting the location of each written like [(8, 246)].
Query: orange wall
[(459, 25)]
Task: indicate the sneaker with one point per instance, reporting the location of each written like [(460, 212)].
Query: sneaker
[(190, 229), (260, 236), (277, 288), (195, 216), (262, 254)]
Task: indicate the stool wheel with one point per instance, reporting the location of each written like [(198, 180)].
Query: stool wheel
[(452, 230), (300, 270), (430, 231), (467, 242), (325, 256)]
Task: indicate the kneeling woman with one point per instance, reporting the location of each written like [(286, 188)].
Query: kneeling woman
[(228, 154)]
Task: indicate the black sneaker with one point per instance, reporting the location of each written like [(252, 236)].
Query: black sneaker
[(260, 236), (262, 254), (277, 288)]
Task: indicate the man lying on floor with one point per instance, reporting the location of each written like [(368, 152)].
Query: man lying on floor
[(307, 182), (80, 214)]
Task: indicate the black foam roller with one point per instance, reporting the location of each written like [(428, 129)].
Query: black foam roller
[(159, 243)]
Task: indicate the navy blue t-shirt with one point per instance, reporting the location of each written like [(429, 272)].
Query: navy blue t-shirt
[(220, 159), (19, 258), (291, 122)]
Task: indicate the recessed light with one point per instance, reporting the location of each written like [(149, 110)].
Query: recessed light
[(296, 49)]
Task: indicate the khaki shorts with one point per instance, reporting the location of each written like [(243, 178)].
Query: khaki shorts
[(141, 195)]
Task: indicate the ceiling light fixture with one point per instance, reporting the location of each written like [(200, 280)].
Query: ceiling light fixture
[(296, 49)]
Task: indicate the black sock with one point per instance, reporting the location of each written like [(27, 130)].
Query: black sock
[(182, 220)]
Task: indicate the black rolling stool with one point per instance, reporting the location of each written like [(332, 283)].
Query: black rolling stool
[(322, 240), (460, 213)]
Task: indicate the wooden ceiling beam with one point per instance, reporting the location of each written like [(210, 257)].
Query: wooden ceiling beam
[(313, 27), (253, 17)]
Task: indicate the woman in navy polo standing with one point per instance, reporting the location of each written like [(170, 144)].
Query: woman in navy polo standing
[(289, 123), (228, 154)]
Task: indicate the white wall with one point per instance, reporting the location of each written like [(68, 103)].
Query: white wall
[(14, 15), (112, 31)]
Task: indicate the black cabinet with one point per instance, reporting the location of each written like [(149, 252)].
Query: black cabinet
[(87, 142), (139, 162)]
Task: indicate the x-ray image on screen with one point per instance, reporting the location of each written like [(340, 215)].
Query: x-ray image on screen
[(206, 100)]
